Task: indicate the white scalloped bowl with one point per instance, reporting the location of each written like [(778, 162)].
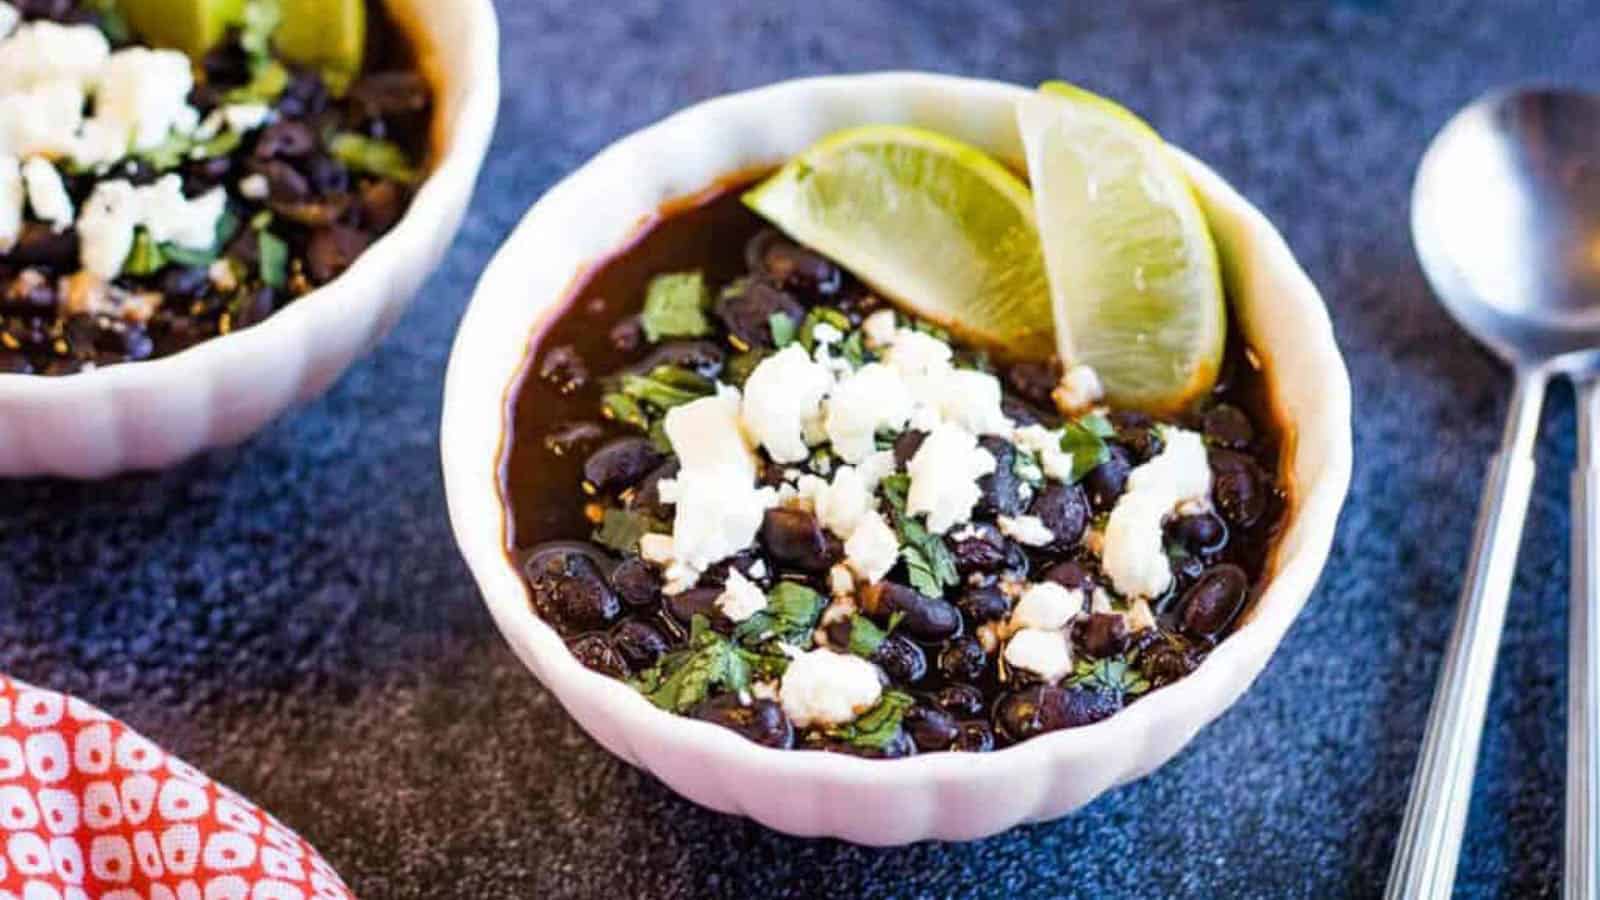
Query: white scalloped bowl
[(152, 414), (943, 796)]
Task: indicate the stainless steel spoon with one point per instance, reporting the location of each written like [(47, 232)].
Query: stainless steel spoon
[(1506, 218)]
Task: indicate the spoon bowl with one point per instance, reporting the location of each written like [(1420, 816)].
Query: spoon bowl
[(1506, 220)]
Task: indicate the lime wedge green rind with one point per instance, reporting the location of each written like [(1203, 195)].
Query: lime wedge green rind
[(935, 225), (1135, 279)]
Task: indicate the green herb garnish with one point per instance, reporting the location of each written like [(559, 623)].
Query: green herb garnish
[(675, 306), (619, 407), (865, 635), (878, 727), (1085, 440), (685, 677), (1114, 675), (384, 159), (621, 529), (820, 315), (667, 386), (145, 258), (274, 261), (783, 330), (791, 615), (929, 563)]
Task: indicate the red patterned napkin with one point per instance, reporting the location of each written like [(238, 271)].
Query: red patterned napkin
[(90, 809)]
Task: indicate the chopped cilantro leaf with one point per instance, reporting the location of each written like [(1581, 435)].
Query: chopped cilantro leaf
[(667, 386), (1114, 675), (876, 728), (929, 563), (791, 615), (267, 83), (818, 316), (620, 407), (685, 677), (865, 635), (783, 330), (1085, 440), (274, 261), (384, 159), (145, 258), (621, 529), (854, 349), (674, 306)]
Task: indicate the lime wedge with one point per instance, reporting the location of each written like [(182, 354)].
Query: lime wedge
[(330, 35), (193, 26), (1134, 274), (935, 225)]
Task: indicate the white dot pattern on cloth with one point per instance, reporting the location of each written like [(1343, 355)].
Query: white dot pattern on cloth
[(91, 809)]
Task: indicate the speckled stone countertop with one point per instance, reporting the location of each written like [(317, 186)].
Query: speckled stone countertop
[(293, 617)]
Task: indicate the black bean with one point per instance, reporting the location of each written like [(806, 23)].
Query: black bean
[(596, 652), (646, 498), (14, 363), (1002, 489), (747, 313), (984, 604), (1227, 426), (627, 335), (328, 175), (332, 250), (1036, 710), (1166, 662), (620, 464), (795, 538), (960, 699), (305, 96), (1105, 483), (380, 203), (1034, 381), (572, 438), (974, 737), (319, 212), (1213, 601), (41, 245), (1064, 511), (1142, 443), (1024, 413), (982, 548), (907, 445), (563, 367), (640, 645), (390, 93), (285, 139), (1070, 574), (929, 619), (931, 728), (762, 721), (636, 583), (901, 660), (569, 588), (185, 282), (963, 659), (1240, 487), (700, 601), (284, 182), (701, 357), (1101, 635), (1200, 533), (791, 266)]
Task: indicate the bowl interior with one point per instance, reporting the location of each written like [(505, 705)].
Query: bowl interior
[(594, 210)]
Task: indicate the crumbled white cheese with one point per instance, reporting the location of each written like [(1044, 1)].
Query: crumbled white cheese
[(146, 93), (824, 334), (105, 228), (1029, 530), (971, 399), (1045, 443), (758, 569), (243, 117), (718, 512), (1047, 654), (915, 353), (172, 218), (9, 18), (822, 687), (1047, 606), (840, 505), (255, 187), (783, 395), (1080, 389), (872, 399), (740, 598), (47, 194), (12, 198), (1138, 616), (706, 433), (944, 477), (1134, 554), (872, 548), (879, 328), (42, 52), (41, 120)]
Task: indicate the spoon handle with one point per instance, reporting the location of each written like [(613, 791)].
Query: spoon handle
[(1441, 791), (1581, 879)]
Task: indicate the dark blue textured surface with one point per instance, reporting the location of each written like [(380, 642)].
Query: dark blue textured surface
[(293, 617)]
